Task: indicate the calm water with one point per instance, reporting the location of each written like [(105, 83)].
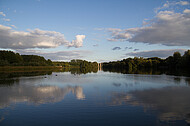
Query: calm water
[(93, 99)]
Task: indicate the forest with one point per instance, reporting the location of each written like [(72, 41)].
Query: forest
[(177, 61), (9, 58), (77, 63)]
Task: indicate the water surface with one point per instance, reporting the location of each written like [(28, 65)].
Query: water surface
[(102, 98)]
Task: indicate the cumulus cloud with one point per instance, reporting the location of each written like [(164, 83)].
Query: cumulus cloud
[(117, 34), (1, 13), (56, 56), (187, 11), (78, 42), (35, 39), (116, 48), (167, 28), (172, 4), (183, 3), (155, 53)]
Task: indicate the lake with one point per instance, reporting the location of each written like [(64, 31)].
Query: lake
[(102, 98)]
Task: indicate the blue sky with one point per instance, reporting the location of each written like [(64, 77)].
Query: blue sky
[(95, 30)]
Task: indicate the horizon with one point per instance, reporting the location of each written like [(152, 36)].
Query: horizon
[(100, 31), (101, 62)]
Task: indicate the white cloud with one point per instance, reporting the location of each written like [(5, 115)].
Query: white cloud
[(171, 4), (37, 94), (117, 34), (167, 28), (56, 55), (1, 13), (183, 3), (156, 53), (78, 42), (187, 11), (5, 19), (35, 39)]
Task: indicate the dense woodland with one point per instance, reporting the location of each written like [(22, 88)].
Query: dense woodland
[(172, 62), (9, 58), (177, 61), (84, 65)]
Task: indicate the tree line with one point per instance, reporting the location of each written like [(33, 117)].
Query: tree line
[(86, 66), (177, 61), (9, 58)]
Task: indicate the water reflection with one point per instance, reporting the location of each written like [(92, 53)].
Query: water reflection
[(117, 84), (108, 96), (172, 102), (27, 73), (149, 71), (12, 74), (37, 94)]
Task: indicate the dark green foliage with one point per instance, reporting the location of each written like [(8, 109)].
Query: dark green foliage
[(172, 62), (34, 60), (4, 63), (132, 64), (9, 58), (49, 62), (186, 59), (76, 62), (62, 64), (82, 66)]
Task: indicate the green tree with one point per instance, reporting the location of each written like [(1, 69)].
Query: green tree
[(186, 59)]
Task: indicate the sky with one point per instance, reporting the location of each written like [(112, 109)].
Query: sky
[(95, 30)]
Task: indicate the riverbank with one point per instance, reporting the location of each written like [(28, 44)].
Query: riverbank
[(28, 68)]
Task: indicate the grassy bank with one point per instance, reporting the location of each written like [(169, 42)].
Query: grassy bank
[(28, 68)]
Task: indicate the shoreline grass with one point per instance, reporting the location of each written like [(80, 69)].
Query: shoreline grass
[(28, 68)]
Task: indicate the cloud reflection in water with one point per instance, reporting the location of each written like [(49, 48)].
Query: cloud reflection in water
[(172, 103), (37, 94)]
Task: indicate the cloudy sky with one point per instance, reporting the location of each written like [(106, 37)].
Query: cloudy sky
[(95, 30)]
